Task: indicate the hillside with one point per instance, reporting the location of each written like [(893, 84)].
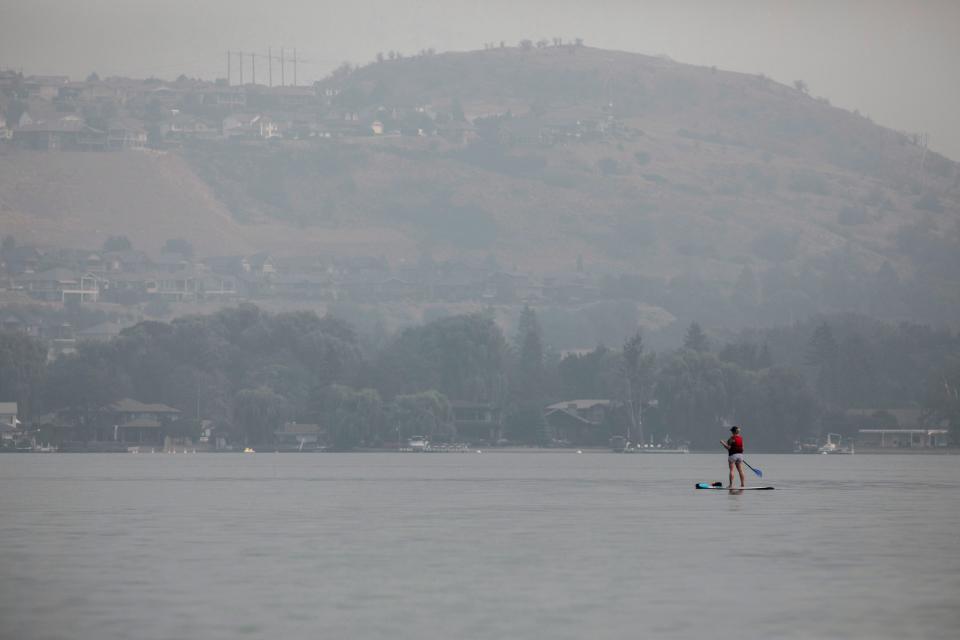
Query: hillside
[(631, 165)]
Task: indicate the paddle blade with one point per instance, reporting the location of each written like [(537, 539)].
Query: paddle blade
[(758, 472)]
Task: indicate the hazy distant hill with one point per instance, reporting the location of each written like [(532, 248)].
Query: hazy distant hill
[(541, 158)]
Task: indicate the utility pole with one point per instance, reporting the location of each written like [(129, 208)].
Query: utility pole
[(240, 55), (270, 62), (228, 67), (282, 81), (253, 68)]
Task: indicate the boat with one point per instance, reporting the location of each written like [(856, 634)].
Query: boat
[(807, 445), (248, 450), (720, 486), (619, 444), (418, 444), (834, 445)]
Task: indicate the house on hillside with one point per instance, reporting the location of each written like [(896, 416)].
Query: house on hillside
[(180, 286), (250, 126), (230, 98), (581, 422), (214, 286), (131, 261), (61, 285), (45, 87), (69, 133), (126, 133)]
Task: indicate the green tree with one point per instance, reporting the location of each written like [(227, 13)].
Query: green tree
[(258, 413), (352, 416), (943, 398), (179, 246), (117, 243), (427, 413), (823, 352), (462, 357), (695, 339), (692, 396), (22, 367), (636, 370)]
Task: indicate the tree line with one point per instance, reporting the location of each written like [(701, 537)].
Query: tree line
[(249, 371)]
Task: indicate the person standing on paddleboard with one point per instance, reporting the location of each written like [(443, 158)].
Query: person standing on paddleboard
[(734, 446)]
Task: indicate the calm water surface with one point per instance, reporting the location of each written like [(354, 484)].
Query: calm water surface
[(498, 545)]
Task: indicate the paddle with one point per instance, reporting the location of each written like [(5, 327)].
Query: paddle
[(756, 471)]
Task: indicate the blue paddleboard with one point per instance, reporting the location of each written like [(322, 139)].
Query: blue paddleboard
[(707, 485)]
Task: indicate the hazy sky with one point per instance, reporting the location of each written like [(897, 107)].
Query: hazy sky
[(896, 61)]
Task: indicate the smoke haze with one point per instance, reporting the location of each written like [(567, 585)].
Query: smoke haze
[(894, 61)]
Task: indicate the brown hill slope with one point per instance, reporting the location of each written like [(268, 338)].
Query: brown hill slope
[(636, 164)]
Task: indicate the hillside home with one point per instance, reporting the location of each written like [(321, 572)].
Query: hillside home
[(69, 133), (247, 126), (131, 261), (214, 286), (174, 287), (61, 285), (231, 98), (126, 134), (45, 87)]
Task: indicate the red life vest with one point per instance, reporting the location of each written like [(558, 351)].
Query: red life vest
[(736, 444)]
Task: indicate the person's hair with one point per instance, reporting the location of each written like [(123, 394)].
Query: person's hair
[(735, 429)]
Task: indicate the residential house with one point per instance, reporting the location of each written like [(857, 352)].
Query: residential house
[(902, 438), (182, 128), (45, 87), (295, 436), (22, 259), (131, 261), (214, 286), (248, 126), (69, 133), (477, 422), (126, 134), (581, 422), (132, 421), (61, 285), (899, 429), (9, 424), (230, 98)]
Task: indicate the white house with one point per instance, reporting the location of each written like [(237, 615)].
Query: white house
[(9, 424)]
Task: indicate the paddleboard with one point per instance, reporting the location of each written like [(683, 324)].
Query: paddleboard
[(707, 485)]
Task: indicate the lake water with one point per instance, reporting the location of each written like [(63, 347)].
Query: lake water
[(498, 545)]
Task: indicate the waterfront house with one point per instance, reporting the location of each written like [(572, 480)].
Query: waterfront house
[(476, 422), (9, 424), (581, 422), (132, 421), (922, 438), (298, 436)]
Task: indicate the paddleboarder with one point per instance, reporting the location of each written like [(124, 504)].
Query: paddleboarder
[(734, 447)]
